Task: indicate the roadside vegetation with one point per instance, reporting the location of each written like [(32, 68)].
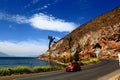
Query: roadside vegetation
[(45, 68), (25, 70), (84, 62), (37, 69), (90, 61)]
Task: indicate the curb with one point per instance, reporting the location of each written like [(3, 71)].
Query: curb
[(112, 76)]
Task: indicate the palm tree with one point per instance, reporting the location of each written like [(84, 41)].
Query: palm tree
[(51, 39)]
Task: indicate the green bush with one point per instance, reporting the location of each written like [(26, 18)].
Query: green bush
[(56, 67), (85, 62), (92, 60), (37, 69), (21, 70), (5, 71), (45, 68), (25, 69), (66, 64)]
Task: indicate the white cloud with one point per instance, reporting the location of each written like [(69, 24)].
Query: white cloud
[(4, 16), (41, 21), (45, 22), (44, 7), (14, 18), (19, 19), (24, 48)]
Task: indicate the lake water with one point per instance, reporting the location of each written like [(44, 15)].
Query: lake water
[(21, 61)]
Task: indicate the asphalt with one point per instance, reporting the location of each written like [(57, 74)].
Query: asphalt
[(90, 72), (111, 76)]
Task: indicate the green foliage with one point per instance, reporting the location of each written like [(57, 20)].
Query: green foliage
[(14, 70), (76, 56), (21, 70), (5, 71), (92, 60), (82, 63), (25, 69), (71, 58), (66, 64), (69, 40), (51, 39), (45, 68), (36, 69)]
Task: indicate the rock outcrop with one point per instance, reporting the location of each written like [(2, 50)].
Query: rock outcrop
[(105, 30)]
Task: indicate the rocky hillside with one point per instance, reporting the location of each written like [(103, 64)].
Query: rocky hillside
[(103, 30)]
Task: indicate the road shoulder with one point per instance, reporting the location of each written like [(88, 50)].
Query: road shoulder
[(112, 76)]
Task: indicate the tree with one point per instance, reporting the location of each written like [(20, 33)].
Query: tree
[(69, 40), (76, 56), (51, 39)]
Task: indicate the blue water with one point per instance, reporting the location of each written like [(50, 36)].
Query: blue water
[(21, 61)]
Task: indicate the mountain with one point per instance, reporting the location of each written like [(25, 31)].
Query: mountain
[(103, 30), (4, 54)]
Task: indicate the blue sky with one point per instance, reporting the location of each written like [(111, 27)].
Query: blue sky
[(26, 24)]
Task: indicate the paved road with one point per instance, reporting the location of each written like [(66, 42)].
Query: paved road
[(91, 72)]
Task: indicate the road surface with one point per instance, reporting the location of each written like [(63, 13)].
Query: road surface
[(91, 72)]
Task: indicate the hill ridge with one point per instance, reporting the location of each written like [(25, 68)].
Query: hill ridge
[(104, 29)]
